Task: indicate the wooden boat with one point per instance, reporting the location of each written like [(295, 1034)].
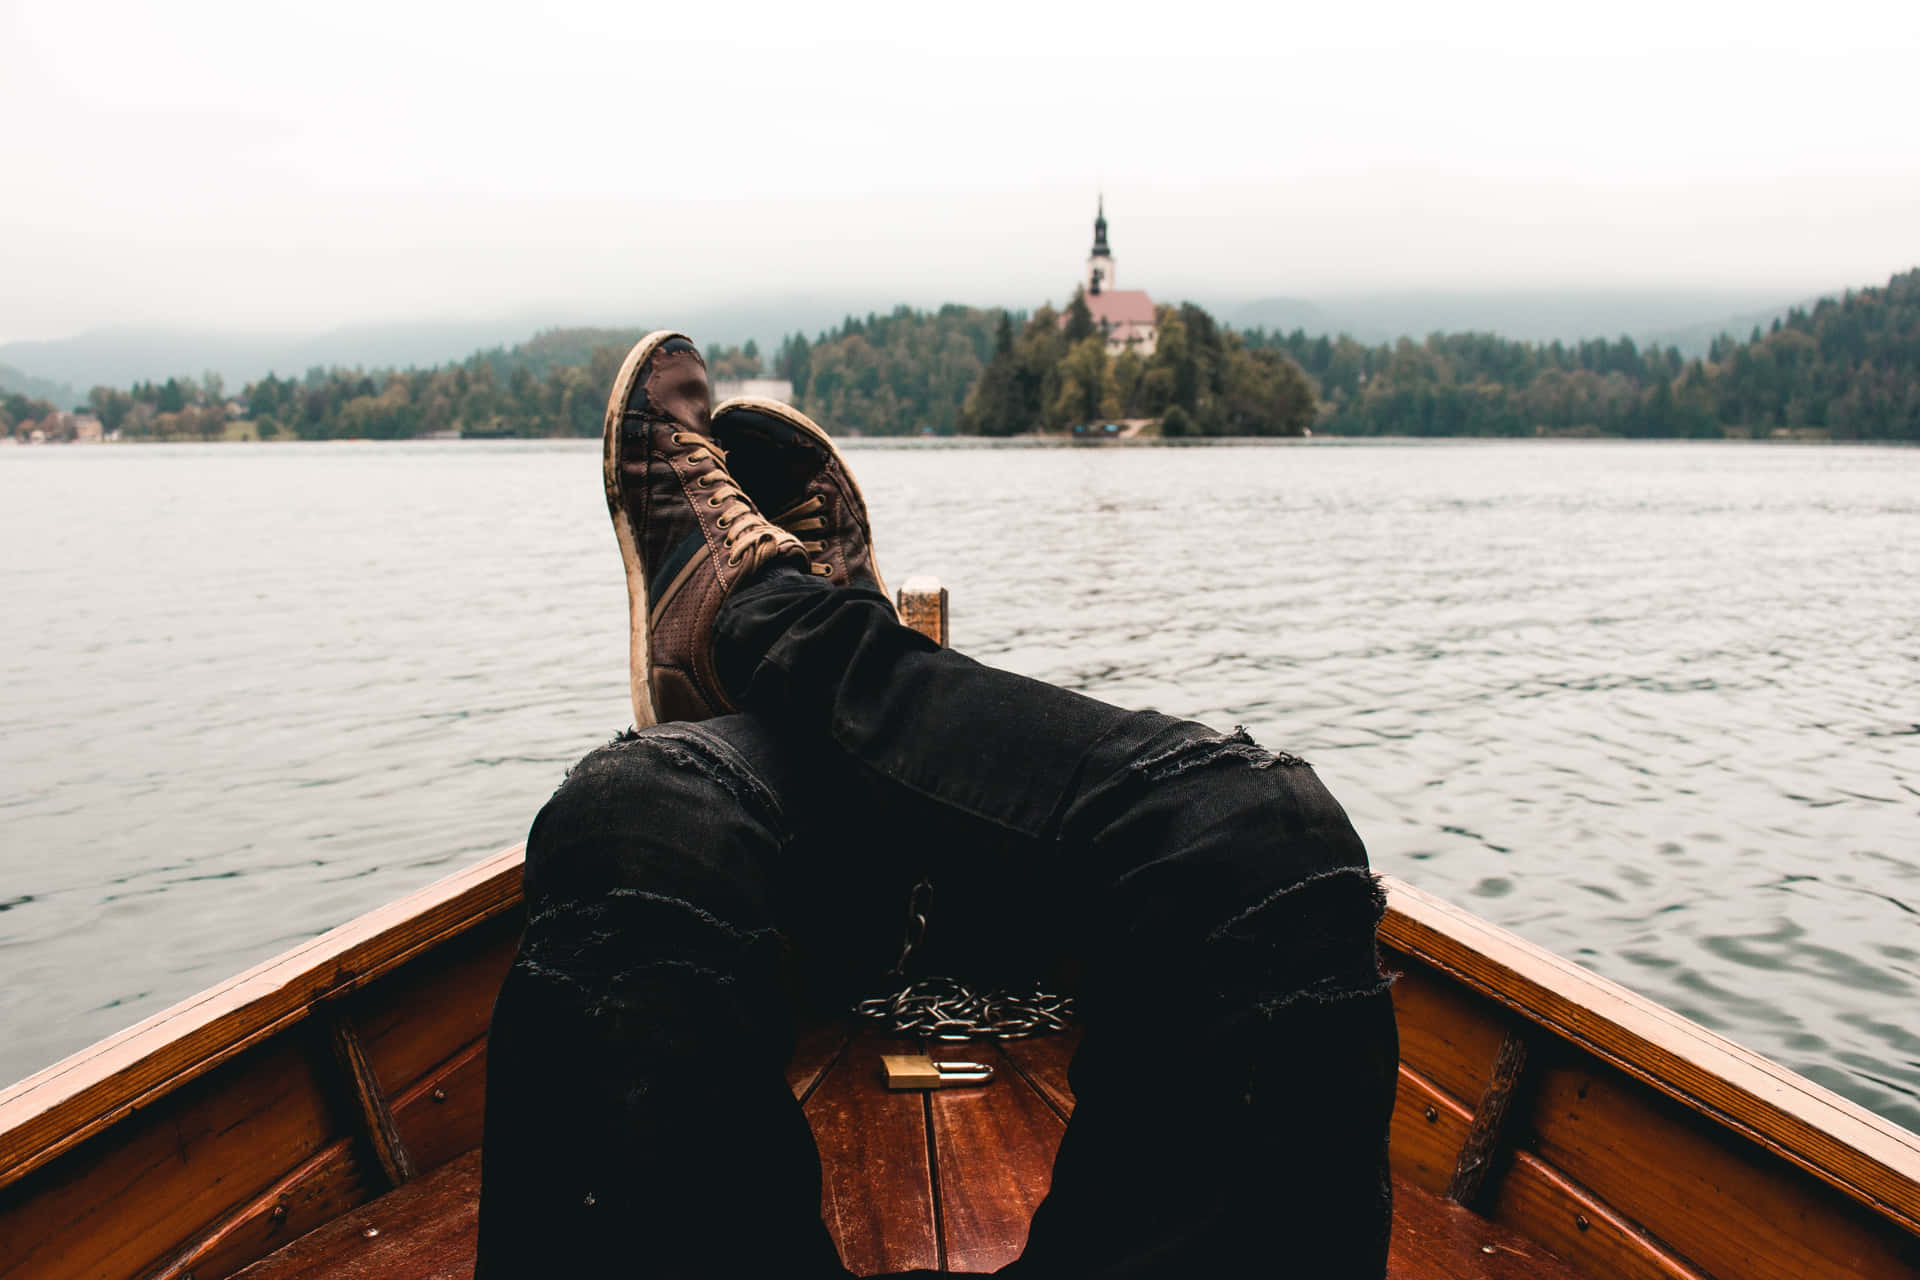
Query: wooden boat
[(320, 1115)]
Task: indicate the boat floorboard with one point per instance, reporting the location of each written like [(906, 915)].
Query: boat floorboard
[(983, 1156)]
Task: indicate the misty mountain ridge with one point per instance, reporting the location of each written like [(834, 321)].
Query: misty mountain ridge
[(120, 357), (1683, 318), (63, 369)]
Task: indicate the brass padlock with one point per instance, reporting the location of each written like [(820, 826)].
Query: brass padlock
[(918, 1071)]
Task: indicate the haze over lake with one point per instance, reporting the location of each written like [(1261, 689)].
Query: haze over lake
[(1649, 705)]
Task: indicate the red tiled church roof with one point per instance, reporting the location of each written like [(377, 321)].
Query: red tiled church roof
[(1121, 307)]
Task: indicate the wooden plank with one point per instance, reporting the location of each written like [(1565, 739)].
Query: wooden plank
[(55, 1110), (414, 1020), (427, 1230), (1488, 1135), (133, 1199), (329, 1184), (993, 1149), (377, 1128), (1544, 1205), (1729, 1207), (1434, 1239), (441, 1116), (440, 1119), (1869, 1159), (1043, 1062), (814, 1052), (876, 1189), (1429, 1129), (1449, 1034), (922, 603)]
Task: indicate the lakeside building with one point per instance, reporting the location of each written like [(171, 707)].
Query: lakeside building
[(1125, 316), (780, 389)]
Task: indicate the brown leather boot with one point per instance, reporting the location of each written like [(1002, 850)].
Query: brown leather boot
[(788, 465), (688, 535)]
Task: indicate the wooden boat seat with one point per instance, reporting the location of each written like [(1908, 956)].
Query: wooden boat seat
[(964, 1169)]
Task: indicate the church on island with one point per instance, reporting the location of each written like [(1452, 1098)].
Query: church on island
[(1125, 316)]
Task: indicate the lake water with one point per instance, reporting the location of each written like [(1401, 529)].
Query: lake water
[(1656, 707)]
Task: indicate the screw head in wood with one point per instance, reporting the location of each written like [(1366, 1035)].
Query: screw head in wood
[(1580, 1221)]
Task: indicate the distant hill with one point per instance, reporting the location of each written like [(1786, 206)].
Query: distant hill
[(1685, 318), (1698, 339), (122, 357), (11, 379)]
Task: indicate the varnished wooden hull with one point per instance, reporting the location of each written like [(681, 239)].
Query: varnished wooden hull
[(1632, 1143), (1543, 1113)]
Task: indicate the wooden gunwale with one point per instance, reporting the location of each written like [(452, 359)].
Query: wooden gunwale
[(56, 1109), (1867, 1158)]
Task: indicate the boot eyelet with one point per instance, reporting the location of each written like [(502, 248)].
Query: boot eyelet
[(723, 521), (714, 501), (733, 562)]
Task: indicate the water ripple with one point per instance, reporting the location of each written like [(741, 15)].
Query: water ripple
[(1649, 705)]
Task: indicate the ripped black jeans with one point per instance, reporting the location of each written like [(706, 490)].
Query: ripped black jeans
[(692, 886)]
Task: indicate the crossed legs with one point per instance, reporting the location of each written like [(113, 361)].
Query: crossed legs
[(689, 886)]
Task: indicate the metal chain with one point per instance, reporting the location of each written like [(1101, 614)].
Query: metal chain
[(947, 1009)]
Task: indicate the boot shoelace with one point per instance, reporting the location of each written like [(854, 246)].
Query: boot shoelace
[(751, 539), (804, 517)]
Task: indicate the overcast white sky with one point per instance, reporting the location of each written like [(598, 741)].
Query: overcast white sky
[(211, 164)]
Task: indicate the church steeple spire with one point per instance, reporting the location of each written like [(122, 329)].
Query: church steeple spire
[(1100, 273)]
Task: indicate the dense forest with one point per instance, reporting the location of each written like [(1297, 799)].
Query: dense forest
[(1847, 367), (1202, 379), (905, 373)]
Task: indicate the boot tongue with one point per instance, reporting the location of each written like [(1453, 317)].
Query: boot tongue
[(676, 387)]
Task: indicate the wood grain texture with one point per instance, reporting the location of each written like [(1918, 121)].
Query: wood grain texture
[(1542, 1204), (312, 1195), (441, 1002), (440, 1119), (1435, 1239), (133, 1199), (441, 1116), (55, 1110), (1729, 1207), (1481, 1151), (993, 1160), (377, 1127), (923, 606), (1429, 1128), (1449, 1034), (876, 1188), (427, 1230), (1043, 1061), (814, 1052), (1869, 1159)]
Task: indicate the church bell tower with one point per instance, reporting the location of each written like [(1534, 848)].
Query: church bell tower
[(1100, 272)]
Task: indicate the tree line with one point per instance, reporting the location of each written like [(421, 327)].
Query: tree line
[(1849, 367), (1200, 379)]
